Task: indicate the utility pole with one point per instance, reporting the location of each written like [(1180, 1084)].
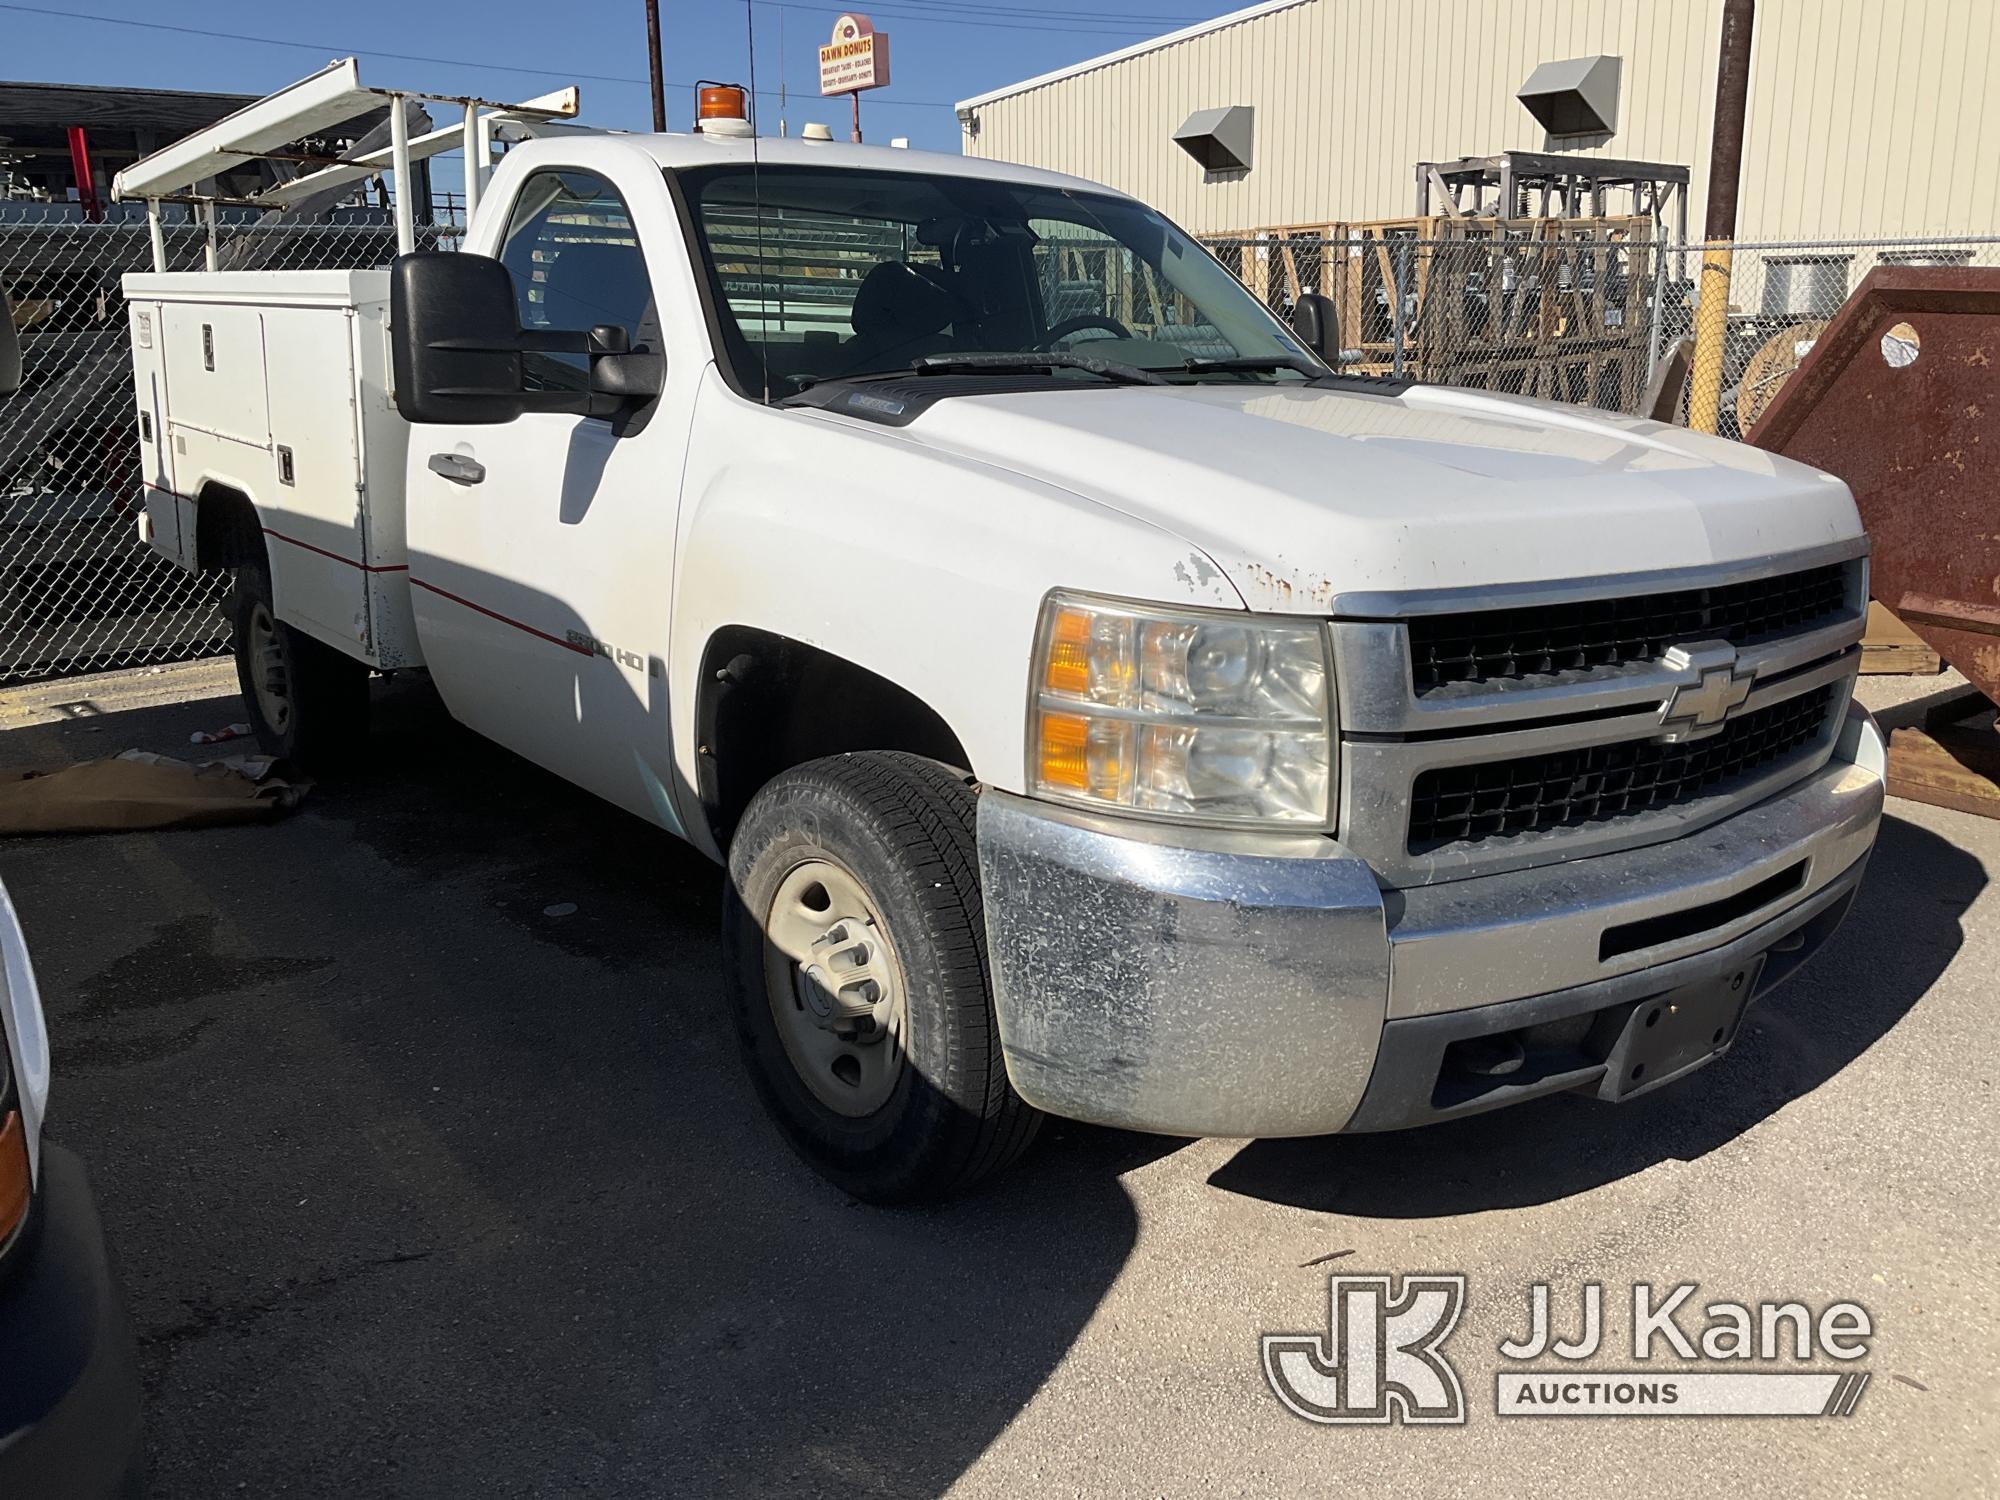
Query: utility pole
[(1725, 164), (653, 57)]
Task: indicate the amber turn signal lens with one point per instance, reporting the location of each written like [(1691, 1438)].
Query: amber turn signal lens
[(1065, 757), (1069, 654), (16, 1187)]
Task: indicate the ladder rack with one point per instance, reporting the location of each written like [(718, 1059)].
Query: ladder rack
[(328, 98)]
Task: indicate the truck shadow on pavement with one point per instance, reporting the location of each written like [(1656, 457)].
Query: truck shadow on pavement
[(1899, 937), (421, 1141)]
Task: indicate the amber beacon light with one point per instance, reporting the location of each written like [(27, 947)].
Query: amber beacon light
[(722, 108)]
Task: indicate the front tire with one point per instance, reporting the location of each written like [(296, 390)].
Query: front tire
[(306, 701), (856, 966)]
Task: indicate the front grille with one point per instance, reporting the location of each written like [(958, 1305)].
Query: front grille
[(1536, 640), (1561, 788)]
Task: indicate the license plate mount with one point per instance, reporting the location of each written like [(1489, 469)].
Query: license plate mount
[(1676, 1032)]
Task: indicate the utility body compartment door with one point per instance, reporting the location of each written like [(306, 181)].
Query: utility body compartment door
[(156, 470), (214, 423), (542, 549), (315, 532)]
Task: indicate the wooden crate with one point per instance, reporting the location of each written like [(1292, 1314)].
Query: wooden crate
[(1542, 307), (1280, 262)]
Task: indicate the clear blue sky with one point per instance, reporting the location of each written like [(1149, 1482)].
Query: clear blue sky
[(942, 50)]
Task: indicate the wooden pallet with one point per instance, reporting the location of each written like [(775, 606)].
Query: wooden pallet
[(1953, 761), (1891, 646)]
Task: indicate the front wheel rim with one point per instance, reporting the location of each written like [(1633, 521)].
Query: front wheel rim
[(270, 680), (835, 987)]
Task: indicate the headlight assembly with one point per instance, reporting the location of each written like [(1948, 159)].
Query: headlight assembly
[(1206, 716)]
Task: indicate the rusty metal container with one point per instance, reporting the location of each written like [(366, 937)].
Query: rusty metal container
[(1900, 397)]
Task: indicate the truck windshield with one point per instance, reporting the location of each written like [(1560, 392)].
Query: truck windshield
[(824, 273)]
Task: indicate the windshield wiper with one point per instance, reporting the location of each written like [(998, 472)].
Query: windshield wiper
[(1249, 364), (1049, 359)]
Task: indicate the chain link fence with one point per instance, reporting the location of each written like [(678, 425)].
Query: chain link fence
[(78, 590), (1581, 311), (1781, 298)]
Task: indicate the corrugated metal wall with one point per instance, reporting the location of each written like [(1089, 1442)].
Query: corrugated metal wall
[(1867, 117)]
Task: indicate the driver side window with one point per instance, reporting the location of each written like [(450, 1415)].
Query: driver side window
[(576, 264)]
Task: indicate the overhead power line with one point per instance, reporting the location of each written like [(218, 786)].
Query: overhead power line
[(1047, 7), (1001, 18), (333, 50), (929, 10), (929, 14)]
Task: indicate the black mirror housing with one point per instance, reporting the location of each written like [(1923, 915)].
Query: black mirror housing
[(455, 341), (456, 346), (628, 378), (10, 348), (1316, 320)]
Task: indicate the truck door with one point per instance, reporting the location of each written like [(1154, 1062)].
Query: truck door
[(541, 550)]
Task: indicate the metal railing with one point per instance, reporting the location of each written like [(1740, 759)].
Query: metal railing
[(78, 590)]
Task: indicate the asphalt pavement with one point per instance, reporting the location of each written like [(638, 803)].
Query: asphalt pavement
[(417, 1129)]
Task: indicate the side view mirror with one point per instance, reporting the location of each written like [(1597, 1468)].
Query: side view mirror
[(456, 348), (1316, 320), (619, 373), (10, 347), (455, 341)]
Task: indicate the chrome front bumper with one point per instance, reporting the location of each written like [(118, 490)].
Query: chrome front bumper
[(1207, 983)]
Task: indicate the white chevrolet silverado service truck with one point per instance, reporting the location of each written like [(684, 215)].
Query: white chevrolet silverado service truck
[(1102, 707)]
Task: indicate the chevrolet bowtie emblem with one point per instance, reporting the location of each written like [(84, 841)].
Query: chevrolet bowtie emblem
[(1715, 688)]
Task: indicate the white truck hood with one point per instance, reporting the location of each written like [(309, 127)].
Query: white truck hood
[(1303, 496)]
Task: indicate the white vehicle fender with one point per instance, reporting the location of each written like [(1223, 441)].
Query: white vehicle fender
[(926, 569)]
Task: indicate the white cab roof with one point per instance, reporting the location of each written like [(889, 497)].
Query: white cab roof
[(692, 150)]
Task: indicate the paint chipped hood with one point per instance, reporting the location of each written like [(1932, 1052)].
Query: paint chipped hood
[(1304, 495)]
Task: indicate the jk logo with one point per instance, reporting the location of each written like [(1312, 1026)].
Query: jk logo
[(1379, 1360)]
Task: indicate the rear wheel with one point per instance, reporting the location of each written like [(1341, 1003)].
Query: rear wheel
[(856, 948), (306, 701)]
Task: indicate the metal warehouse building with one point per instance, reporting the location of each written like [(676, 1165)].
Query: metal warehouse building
[(1867, 118)]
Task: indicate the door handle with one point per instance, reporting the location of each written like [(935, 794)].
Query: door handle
[(457, 468)]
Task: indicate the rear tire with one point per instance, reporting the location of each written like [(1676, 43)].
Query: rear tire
[(307, 702), (856, 965)]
